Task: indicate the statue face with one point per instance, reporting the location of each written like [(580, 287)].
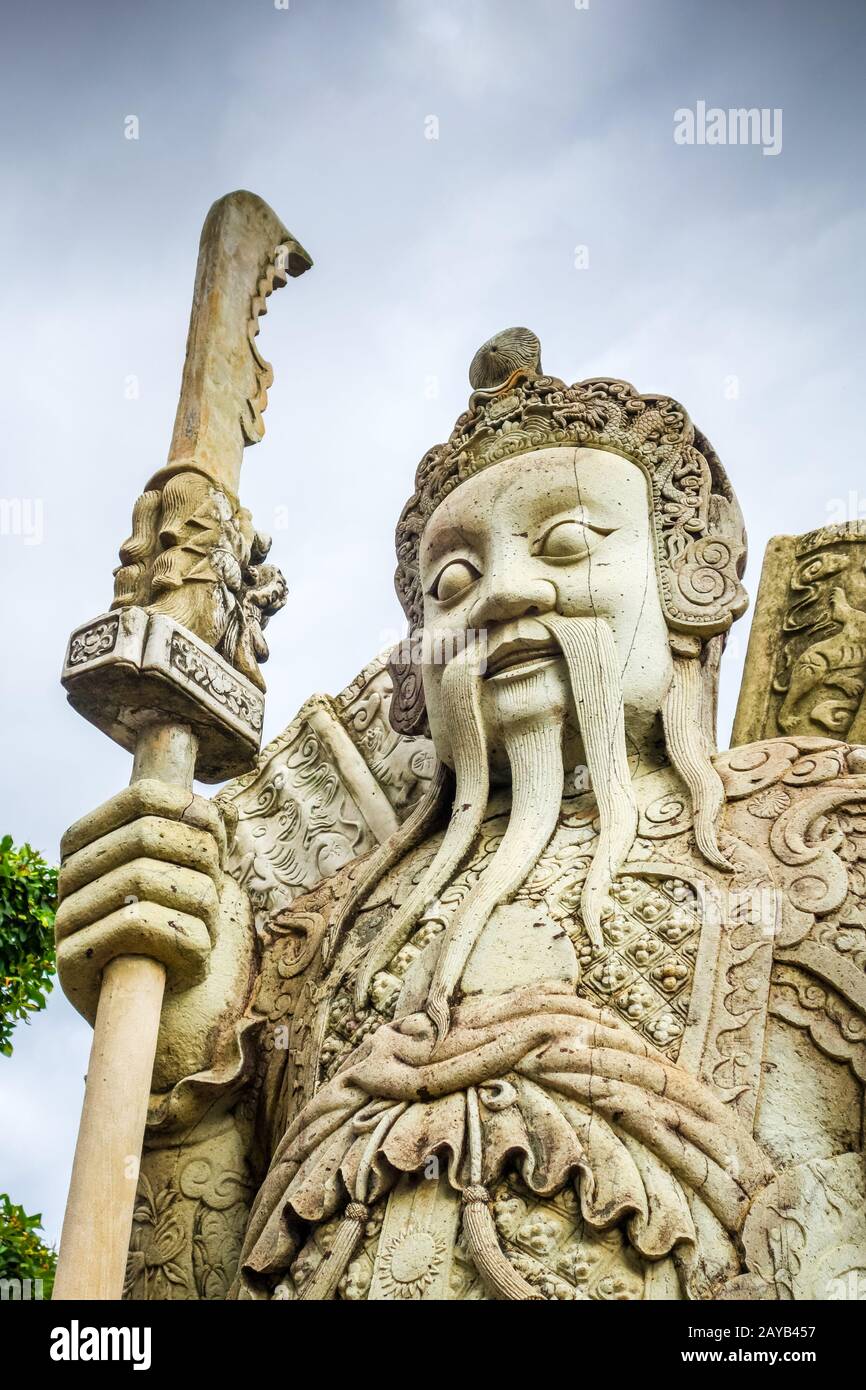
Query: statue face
[(562, 531)]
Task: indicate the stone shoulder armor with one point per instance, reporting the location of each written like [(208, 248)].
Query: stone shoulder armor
[(331, 787)]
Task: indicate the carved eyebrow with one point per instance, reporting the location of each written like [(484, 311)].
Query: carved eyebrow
[(445, 538), (587, 508), (566, 497)]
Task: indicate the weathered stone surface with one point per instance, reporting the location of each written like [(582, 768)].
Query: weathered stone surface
[(194, 553), (124, 668), (806, 667), (508, 984), (173, 675)]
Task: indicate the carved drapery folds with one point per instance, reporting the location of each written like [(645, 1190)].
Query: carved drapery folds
[(794, 824)]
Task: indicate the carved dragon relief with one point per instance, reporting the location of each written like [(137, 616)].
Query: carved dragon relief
[(811, 618)]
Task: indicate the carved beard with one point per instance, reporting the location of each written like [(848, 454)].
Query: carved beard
[(530, 715), (531, 731)]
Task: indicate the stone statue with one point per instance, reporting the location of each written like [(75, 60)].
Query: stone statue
[(508, 984)]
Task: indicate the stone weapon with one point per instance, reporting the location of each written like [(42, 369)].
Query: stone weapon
[(171, 673), (805, 670)]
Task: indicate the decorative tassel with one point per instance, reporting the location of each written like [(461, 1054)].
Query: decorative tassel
[(322, 1284), (492, 1264)]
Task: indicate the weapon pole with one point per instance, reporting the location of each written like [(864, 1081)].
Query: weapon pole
[(98, 1218), (171, 673)]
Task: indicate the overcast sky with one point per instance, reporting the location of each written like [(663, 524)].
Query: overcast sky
[(724, 276)]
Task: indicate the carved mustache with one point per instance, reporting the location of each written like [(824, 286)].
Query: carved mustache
[(517, 651)]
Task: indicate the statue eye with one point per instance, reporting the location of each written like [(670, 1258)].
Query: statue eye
[(568, 540), (456, 576)]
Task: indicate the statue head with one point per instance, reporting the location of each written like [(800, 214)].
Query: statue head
[(579, 456), (569, 564)]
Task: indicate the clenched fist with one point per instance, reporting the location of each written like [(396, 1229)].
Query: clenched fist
[(141, 875)]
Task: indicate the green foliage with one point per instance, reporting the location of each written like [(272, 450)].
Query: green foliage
[(22, 1254), (28, 892)]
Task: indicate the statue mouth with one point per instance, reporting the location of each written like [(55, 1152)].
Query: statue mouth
[(513, 657)]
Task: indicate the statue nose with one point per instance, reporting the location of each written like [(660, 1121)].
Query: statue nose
[(499, 601)]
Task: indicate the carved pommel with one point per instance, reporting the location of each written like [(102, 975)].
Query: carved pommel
[(496, 361), (806, 664), (194, 553)]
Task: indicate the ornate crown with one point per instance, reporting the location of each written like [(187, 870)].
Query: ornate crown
[(700, 541)]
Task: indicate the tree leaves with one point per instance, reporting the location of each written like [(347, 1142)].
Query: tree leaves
[(28, 892), (23, 1255)]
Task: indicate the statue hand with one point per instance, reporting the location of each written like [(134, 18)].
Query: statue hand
[(141, 875)]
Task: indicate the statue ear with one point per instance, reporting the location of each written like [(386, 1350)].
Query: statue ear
[(408, 713)]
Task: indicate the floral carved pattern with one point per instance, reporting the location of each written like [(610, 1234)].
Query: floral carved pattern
[(403, 766), (189, 661), (93, 642), (154, 1267)]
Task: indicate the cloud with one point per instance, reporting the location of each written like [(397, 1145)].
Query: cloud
[(556, 129)]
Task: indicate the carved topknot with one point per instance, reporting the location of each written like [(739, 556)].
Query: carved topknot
[(502, 355)]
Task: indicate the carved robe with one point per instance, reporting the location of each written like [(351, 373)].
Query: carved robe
[(677, 1113)]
